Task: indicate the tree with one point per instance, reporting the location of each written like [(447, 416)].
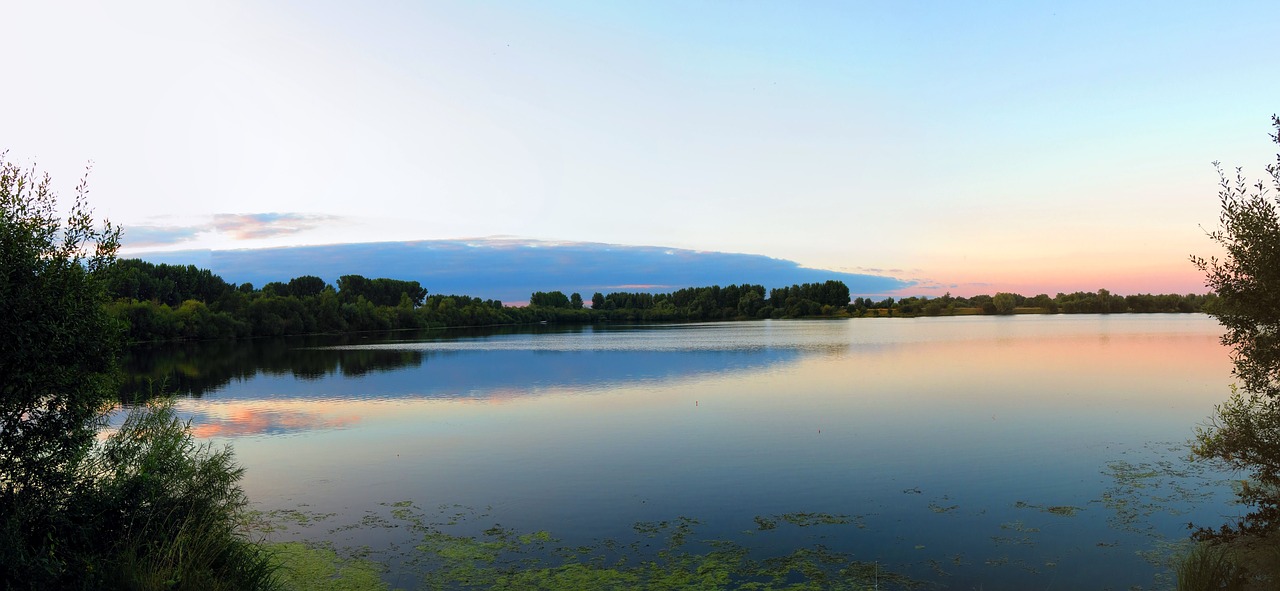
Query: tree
[(306, 286), (379, 292), (146, 508), (1247, 280), (575, 300), (597, 301), (555, 299), (60, 342), (1004, 303), (1244, 432)]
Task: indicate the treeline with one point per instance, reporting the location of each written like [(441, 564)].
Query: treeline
[(156, 302), (174, 302), (1080, 302), (733, 302)]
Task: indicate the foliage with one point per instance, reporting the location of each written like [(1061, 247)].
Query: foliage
[(694, 303), (554, 299), (174, 507), (153, 510), (1080, 302), (57, 359), (1210, 567), (1003, 303), (146, 509), (1248, 279), (1244, 432), (168, 284), (306, 305), (379, 292), (830, 293)]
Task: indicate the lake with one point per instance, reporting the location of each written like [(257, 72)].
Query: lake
[(961, 452)]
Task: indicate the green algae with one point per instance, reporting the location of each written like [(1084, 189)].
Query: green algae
[(810, 519), (940, 509), (1060, 510), (664, 555), (461, 547), (306, 568)]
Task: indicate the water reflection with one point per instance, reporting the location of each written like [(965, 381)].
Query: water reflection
[(202, 368), (279, 386), (1010, 453), (248, 418), (435, 368)]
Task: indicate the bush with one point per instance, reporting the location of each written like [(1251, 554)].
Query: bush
[(174, 506)]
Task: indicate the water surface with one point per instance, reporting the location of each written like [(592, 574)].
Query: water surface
[(1001, 452)]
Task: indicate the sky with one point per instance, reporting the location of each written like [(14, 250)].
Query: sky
[(962, 147)]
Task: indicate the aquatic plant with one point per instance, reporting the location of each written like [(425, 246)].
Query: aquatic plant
[(449, 551)]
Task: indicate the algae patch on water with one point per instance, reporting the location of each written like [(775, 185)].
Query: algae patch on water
[(1061, 510), (304, 568), (453, 549)]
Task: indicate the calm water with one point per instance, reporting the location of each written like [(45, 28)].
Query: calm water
[(1001, 453)]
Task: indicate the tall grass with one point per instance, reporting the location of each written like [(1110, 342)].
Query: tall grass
[(153, 510), (1210, 566), (1240, 563)]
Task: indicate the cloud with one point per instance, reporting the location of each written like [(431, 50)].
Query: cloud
[(644, 286), (930, 287), (248, 226), (510, 269), (135, 236), (875, 270), (240, 226)]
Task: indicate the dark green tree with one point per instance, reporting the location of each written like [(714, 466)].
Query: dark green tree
[(306, 286), (1247, 279), (1004, 303), (145, 509), (59, 342), (1245, 431), (379, 292), (554, 299)]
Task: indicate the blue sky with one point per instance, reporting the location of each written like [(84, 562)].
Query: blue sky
[(1032, 147)]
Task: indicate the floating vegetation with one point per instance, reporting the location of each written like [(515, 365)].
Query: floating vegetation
[(936, 508), (808, 519), (1019, 526), (1063, 510), (268, 522), (1168, 484), (936, 566), (997, 561), (663, 555), (1162, 485), (319, 568), (462, 547), (500, 558)]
